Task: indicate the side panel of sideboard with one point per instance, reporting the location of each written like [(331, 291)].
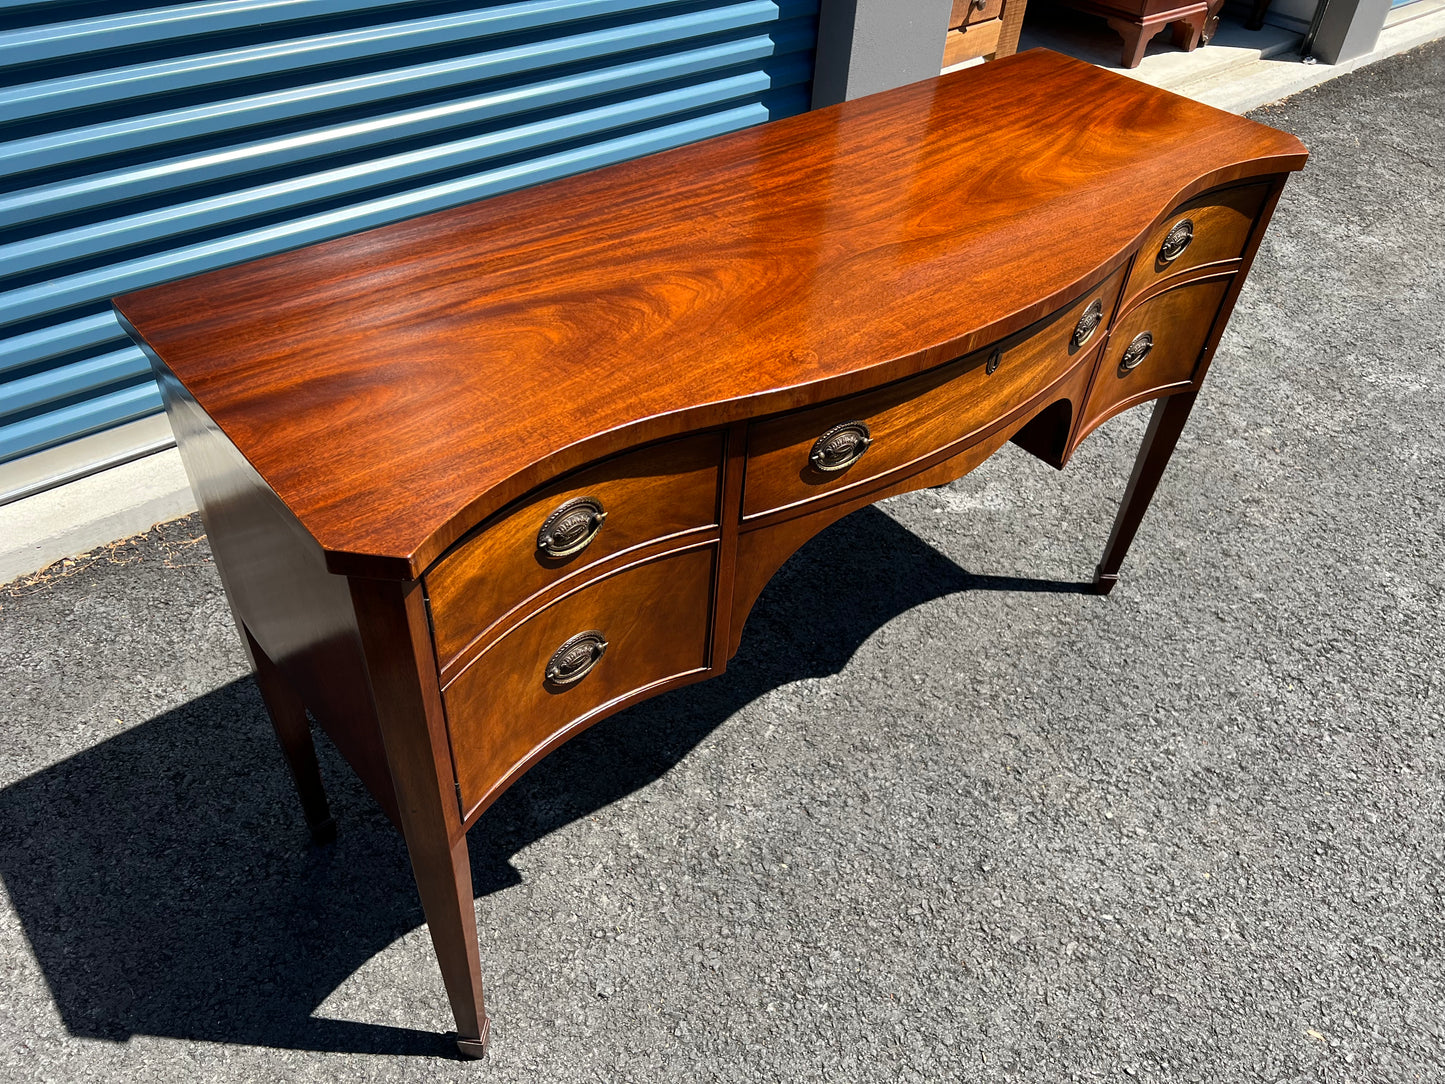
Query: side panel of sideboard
[(280, 592)]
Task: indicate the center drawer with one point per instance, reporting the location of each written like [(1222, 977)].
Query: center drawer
[(827, 452), (573, 660)]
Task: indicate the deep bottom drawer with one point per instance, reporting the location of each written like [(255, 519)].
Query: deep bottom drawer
[(1155, 347), (544, 678)]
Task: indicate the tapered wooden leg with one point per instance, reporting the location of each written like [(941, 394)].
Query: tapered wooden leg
[(396, 636), (444, 882), (1165, 425), (288, 717)]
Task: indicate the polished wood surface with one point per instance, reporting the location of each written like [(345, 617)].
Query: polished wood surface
[(377, 429), (660, 492), (387, 386)]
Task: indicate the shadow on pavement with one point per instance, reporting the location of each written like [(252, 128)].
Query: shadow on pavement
[(164, 879)]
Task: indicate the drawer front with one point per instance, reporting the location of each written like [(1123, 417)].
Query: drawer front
[(1205, 230), (795, 459), (627, 501), (974, 11), (972, 41), (1155, 346), (539, 680)]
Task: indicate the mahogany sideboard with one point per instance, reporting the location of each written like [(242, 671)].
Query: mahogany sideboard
[(476, 480)]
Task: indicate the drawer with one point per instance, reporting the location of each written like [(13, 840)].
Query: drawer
[(1155, 346), (654, 493), (969, 42), (543, 678), (974, 11), (1213, 227), (803, 457)]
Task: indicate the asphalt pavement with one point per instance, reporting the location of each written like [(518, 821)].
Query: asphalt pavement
[(946, 817)]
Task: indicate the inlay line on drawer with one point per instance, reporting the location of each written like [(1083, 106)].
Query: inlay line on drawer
[(1155, 347)]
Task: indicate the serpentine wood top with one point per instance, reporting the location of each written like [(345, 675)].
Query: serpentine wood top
[(396, 386)]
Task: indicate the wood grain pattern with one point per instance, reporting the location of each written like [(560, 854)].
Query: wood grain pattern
[(656, 617), (654, 493), (1179, 320), (1222, 221), (915, 418), (367, 379)]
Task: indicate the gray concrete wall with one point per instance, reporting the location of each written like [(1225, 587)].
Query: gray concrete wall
[(866, 46), (1349, 28)]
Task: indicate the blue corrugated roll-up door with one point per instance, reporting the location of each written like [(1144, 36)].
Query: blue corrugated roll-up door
[(139, 145)]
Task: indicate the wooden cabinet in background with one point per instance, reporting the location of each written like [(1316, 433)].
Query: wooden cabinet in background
[(983, 28), (1192, 22)]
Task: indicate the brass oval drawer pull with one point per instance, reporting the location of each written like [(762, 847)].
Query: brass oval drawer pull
[(571, 527), (991, 366), (1088, 323), (1176, 240), (840, 447), (1136, 352), (575, 659)]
